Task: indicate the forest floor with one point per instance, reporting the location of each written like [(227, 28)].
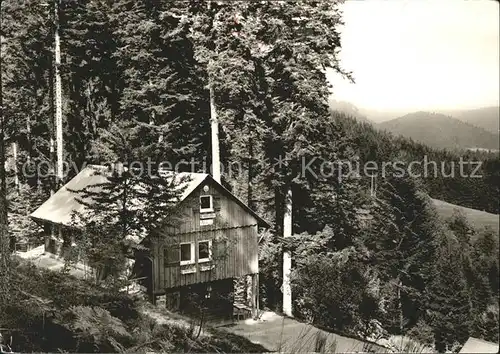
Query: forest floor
[(41, 259), (283, 334)]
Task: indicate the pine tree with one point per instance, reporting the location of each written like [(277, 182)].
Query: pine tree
[(400, 242), (226, 45), (268, 69), (27, 84), (485, 252), (462, 229), (483, 282), (90, 74), (262, 119), (132, 203), (448, 298), (163, 87)]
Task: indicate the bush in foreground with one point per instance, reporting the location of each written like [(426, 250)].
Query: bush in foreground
[(52, 312)]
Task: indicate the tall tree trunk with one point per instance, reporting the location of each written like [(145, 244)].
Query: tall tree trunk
[(372, 189), (214, 127), (56, 102), (287, 257), (400, 307), (28, 139), (4, 235), (16, 172), (250, 174), (58, 95)]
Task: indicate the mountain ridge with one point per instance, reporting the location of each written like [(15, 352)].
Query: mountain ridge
[(487, 118), (441, 131)]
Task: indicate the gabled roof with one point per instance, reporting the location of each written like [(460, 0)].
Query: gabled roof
[(60, 207), (475, 345)]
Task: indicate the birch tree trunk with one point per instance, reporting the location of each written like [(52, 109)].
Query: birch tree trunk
[(287, 257), (58, 95), (56, 140), (214, 127)]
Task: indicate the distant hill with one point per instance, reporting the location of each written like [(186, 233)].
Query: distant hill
[(441, 131), (379, 116), (349, 109), (487, 118), (373, 144), (478, 219)]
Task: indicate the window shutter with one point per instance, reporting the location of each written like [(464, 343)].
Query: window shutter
[(171, 254), (219, 249), (217, 202)]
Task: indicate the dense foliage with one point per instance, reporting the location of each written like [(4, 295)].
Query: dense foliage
[(57, 312)]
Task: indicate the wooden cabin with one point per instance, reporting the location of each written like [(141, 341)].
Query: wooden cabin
[(215, 242)]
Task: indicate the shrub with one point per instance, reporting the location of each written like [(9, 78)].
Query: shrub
[(55, 312), (422, 333), (95, 328), (66, 291), (334, 294)]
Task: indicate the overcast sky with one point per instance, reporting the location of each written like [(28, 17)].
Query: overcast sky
[(420, 55)]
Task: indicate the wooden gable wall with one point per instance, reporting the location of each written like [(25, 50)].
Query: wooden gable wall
[(233, 232), (228, 213)]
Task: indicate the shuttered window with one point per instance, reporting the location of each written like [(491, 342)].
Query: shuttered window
[(216, 203), (220, 250), (171, 255)]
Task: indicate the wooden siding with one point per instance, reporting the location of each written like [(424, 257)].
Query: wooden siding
[(233, 232), (234, 254), (228, 213)]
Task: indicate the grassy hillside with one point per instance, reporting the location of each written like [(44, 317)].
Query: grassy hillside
[(440, 131), (479, 219)]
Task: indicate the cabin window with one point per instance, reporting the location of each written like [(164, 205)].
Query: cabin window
[(204, 251), (206, 204), (187, 253)]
